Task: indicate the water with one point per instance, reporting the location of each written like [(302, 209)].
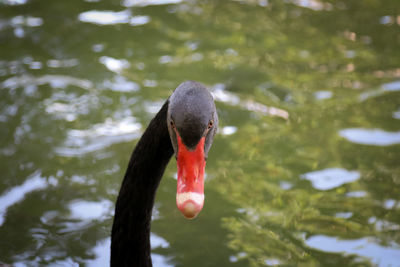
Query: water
[(303, 172)]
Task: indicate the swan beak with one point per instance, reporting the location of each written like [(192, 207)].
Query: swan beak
[(190, 186)]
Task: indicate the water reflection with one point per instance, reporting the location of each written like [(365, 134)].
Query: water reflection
[(357, 194), (313, 4), (380, 255), (18, 22), (375, 137), (102, 252), (14, 2), (18, 193), (65, 63), (153, 107), (390, 203), (19, 66), (159, 260), (55, 81), (320, 95), (344, 215), (220, 94), (100, 136), (142, 3), (229, 130), (89, 210), (81, 215), (396, 115), (331, 178), (110, 17), (387, 87), (121, 84), (113, 64)]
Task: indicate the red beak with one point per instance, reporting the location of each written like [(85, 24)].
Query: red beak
[(190, 186)]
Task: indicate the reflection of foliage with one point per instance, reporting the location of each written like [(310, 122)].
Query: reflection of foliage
[(267, 243), (295, 47), (338, 49), (276, 221)]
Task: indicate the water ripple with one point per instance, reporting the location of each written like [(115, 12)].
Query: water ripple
[(90, 210), (120, 84), (111, 17), (19, 21), (102, 252), (68, 106), (55, 81), (331, 178), (228, 130), (113, 64), (387, 87), (380, 255), (142, 3), (220, 94), (321, 95), (396, 114), (315, 5), (14, 2), (100, 136), (18, 193), (375, 137)]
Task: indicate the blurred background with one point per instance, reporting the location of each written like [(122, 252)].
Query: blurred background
[(305, 168)]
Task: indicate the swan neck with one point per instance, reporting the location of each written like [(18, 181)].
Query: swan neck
[(130, 237)]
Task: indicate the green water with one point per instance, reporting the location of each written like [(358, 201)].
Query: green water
[(305, 169)]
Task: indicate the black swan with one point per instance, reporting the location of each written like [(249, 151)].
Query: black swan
[(184, 126)]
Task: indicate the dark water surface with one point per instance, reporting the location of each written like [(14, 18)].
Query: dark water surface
[(305, 170)]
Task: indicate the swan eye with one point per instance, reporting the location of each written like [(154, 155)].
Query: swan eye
[(172, 124), (210, 124)]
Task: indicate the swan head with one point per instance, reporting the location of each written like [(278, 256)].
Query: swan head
[(192, 123)]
